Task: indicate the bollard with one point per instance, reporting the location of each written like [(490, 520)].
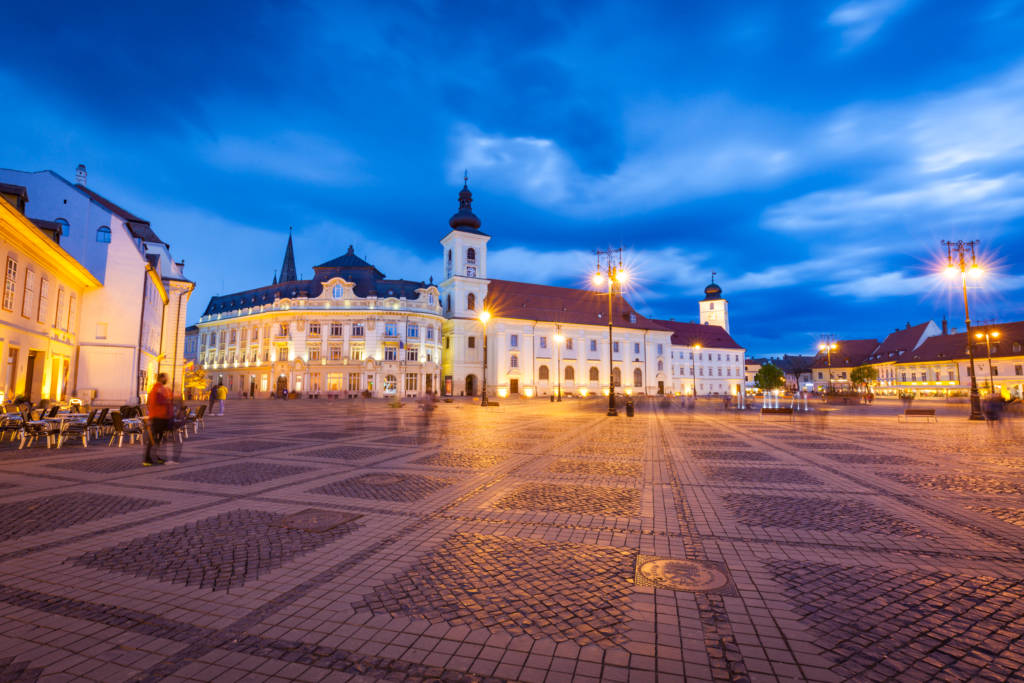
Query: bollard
[(629, 409), (552, 397)]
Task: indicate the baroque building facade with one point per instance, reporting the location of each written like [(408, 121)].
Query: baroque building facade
[(346, 331), (349, 330)]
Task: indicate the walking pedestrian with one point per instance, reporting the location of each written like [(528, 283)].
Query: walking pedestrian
[(159, 403), (222, 395)]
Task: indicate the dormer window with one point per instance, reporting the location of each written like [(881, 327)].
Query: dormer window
[(336, 291), (632, 318)]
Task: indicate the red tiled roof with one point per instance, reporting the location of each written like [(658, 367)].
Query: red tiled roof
[(527, 301), (954, 346), (851, 353), (900, 340), (708, 336)]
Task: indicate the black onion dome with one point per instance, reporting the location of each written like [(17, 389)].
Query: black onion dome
[(464, 217), (712, 291)]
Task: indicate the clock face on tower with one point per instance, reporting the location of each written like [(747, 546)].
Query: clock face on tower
[(470, 271)]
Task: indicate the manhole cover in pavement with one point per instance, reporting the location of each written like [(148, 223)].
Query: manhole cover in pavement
[(679, 575), (381, 479), (312, 519)]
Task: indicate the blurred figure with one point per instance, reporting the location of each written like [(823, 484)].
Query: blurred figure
[(159, 404), (222, 396), (178, 415)]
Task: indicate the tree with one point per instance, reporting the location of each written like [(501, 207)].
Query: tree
[(195, 381), (863, 375), (769, 377)]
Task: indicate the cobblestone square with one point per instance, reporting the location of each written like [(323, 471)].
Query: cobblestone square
[(473, 544)]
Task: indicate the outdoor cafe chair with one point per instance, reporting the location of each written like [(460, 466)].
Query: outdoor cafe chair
[(130, 428)]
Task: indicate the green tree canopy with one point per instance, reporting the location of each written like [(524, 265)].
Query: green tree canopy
[(863, 375), (769, 377)]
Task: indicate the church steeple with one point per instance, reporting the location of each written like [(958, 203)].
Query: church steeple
[(288, 267), (465, 218)]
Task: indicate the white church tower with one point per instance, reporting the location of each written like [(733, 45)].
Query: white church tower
[(714, 310), (463, 290)]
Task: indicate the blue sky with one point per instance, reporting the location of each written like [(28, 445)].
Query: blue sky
[(813, 154)]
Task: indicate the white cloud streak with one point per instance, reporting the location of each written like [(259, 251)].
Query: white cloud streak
[(859, 20), (291, 155)]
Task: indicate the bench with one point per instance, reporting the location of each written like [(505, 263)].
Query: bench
[(777, 411), (926, 414)]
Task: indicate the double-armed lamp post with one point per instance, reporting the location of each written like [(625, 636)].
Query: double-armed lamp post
[(484, 317), (956, 262), (988, 336), (828, 349), (611, 272)]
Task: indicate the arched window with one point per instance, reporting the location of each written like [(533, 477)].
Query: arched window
[(661, 366), (65, 227), (638, 378), (449, 263), (513, 361), (542, 373), (103, 234), (471, 302), (595, 375), (616, 378), (570, 373), (471, 255)]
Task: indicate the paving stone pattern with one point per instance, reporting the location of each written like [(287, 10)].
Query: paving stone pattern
[(593, 500), (241, 474), (37, 515), (330, 545), (405, 488), (887, 624), (215, 553), (820, 514), (565, 591)]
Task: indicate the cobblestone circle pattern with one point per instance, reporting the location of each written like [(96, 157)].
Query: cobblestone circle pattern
[(217, 552), (565, 591)]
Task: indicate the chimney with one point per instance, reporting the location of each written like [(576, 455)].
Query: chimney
[(945, 327), (80, 175)]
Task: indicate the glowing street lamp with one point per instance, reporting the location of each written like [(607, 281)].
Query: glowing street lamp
[(612, 273), (484, 317), (960, 249), (559, 338), (988, 336), (827, 349)]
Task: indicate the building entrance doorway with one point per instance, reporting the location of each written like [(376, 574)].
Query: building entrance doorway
[(470, 385), (513, 386), (282, 385), (661, 388), (34, 376)]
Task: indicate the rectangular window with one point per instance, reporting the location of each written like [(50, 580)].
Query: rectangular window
[(266, 357), (334, 380), (44, 299), (513, 340), (314, 353), (1017, 370), (334, 352), (234, 337), (282, 353), (995, 370), (354, 381), (412, 355), (10, 283), (661, 349), (411, 381), (356, 352), (390, 353), (412, 331), (593, 345), (950, 374), (283, 330), (390, 329), (430, 333), (71, 313), (357, 330), (245, 335), (28, 299), (471, 342), (568, 343), (615, 347), (543, 342), (337, 329), (314, 329), (513, 361)]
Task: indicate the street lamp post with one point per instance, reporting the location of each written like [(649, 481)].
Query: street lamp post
[(558, 364), (989, 335), (693, 368), (484, 317), (960, 250), (613, 272), (828, 349)]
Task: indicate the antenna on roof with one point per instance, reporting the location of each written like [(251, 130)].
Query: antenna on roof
[(465, 177)]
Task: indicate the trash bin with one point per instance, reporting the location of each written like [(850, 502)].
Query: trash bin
[(629, 409), (552, 397)]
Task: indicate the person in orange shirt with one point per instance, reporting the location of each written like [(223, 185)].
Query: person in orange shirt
[(160, 409)]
